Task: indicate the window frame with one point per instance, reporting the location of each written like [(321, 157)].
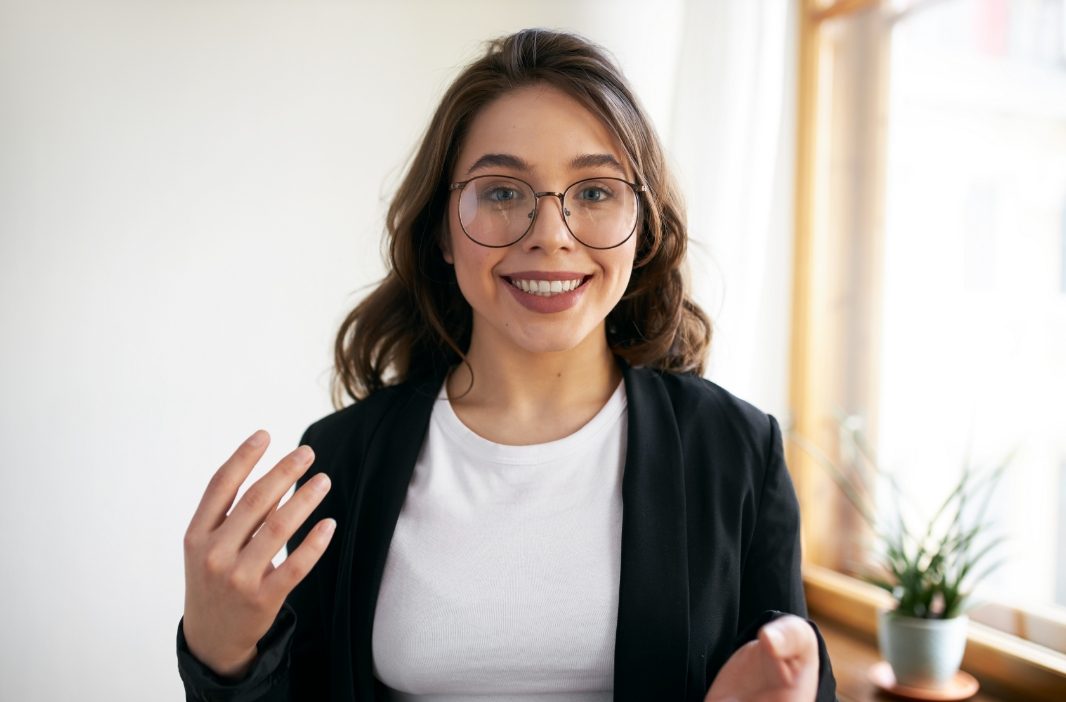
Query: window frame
[(826, 267)]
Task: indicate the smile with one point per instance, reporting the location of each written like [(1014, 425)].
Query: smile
[(545, 288)]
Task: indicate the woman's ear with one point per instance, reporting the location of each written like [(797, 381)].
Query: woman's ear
[(446, 245)]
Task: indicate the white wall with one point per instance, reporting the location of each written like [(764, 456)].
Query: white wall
[(191, 197)]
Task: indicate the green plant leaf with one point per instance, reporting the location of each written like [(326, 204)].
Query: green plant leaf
[(926, 570)]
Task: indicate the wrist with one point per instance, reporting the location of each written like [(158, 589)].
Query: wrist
[(232, 667), (225, 664)]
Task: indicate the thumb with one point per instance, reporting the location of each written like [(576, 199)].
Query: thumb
[(789, 637)]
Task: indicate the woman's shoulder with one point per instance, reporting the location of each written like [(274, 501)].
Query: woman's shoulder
[(703, 406), (362, 417)]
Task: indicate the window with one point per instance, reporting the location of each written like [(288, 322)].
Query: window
[(931, 257), (973, 327)]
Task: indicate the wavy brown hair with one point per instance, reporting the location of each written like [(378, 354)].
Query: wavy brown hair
[(417, 321)]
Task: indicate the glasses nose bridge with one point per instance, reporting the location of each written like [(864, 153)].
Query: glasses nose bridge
[(536, 204)]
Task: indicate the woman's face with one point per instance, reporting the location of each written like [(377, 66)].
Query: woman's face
[(546, 138)]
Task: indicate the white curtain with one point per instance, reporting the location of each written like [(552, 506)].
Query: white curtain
[(731, 138)]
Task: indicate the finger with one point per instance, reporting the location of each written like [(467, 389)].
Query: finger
[(224, 484), (789, 637), (282, 524), (300, 562), (259, 527), (775, 670), (259, 500)]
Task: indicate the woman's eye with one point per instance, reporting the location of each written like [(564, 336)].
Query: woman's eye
[(593, 193), (500, 194)]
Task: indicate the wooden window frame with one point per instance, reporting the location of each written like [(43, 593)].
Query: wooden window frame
[(818, 337)]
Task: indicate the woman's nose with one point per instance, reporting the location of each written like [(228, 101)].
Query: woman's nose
[(549, 231)]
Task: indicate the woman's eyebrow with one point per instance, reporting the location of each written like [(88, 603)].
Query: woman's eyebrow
[(518, 164), (502, 160), (595, 160)]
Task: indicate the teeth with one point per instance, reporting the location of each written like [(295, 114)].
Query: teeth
[(545, 288)]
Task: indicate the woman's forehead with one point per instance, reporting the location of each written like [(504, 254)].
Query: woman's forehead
[(539, 128)]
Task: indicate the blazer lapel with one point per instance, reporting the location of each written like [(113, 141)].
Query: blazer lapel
[(651, 643), (389, 465)]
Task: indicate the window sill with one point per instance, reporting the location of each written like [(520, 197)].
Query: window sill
[(1001, 662)]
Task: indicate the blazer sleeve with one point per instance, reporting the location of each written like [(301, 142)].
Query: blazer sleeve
[(291, 660), (266, 681), (772, 582)]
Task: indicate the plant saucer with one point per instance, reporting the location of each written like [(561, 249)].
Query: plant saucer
[(962, 686)]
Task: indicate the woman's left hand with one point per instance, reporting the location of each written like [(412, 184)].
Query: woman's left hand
[(781, 665)]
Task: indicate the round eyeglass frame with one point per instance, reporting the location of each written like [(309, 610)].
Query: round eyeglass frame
[(637, 189)]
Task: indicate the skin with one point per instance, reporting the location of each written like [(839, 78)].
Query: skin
[(781, 665), (536, 377), (233, 592)]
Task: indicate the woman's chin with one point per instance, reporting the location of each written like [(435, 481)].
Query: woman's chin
[(557, 341)]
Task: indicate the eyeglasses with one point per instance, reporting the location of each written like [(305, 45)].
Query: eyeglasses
[(496, 211)]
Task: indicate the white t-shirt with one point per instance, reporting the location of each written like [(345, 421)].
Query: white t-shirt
[(502, 575)]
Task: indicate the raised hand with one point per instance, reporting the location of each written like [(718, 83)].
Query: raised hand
[(781, 665), (233, 592)]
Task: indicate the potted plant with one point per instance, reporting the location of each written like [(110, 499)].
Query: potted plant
[(929, 566)]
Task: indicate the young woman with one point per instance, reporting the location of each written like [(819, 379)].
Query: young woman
[(536, 497)]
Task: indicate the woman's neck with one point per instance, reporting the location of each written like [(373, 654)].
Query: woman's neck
[(521, 397)]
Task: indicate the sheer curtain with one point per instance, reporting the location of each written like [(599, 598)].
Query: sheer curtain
[(730, 137)]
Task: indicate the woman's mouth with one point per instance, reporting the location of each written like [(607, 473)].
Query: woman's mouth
[(547, 292), (547, 288)]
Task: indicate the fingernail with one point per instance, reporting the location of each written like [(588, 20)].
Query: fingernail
[(257, 439), (328, 527)]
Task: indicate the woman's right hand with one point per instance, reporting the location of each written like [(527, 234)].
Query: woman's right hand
[(233, 592)]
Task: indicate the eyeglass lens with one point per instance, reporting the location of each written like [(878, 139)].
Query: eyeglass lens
[(498, 211)]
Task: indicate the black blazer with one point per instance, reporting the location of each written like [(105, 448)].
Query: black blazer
[(710, 545)]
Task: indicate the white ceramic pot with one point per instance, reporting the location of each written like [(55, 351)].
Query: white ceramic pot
[(922, 652)]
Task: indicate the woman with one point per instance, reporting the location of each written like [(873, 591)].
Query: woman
[(537, 496)]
